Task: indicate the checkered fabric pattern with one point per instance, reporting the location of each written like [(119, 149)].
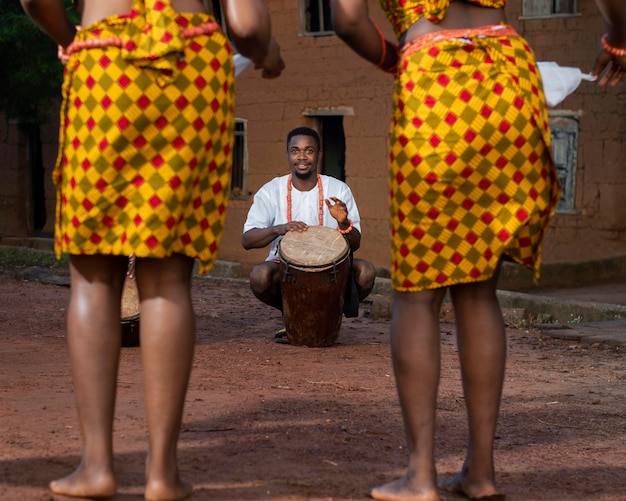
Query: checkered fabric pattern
[(152, 38), (471, 172), (144, 162)]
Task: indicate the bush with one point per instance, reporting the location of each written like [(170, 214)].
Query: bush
[(30, 73)]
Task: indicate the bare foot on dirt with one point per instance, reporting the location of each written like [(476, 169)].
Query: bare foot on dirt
[(86, 484), (400, 490), (485, 491), (160, 491)]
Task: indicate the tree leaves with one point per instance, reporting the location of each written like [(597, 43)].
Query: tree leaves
[(30, 73)]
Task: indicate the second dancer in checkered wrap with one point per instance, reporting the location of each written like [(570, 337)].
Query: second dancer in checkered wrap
[(145, 150), (472, 182)]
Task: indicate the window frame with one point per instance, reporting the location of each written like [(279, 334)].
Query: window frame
[(531, 9), (305, 25), (565, 129), (239, 168)]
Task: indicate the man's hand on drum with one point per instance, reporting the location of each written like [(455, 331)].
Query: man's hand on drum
[(295, 226), (337, 209)]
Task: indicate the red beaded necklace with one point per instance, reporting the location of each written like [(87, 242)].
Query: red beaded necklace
[(321, 208)]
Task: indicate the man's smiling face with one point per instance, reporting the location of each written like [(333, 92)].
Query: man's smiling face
[(303, 153)]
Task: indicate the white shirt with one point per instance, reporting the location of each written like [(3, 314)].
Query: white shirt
[(269, 207)]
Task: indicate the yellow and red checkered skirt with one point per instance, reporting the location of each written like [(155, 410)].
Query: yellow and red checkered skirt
[(471, 172), (146, 142)]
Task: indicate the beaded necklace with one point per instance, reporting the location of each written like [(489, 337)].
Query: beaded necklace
[(321, 207)]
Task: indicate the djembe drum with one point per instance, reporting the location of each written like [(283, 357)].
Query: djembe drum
[(315, 268), (130, 308)]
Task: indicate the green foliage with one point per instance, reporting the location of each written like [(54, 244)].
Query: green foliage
[(15, 258), (30, 73)]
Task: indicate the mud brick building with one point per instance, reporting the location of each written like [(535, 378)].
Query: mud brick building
[(348, 101)]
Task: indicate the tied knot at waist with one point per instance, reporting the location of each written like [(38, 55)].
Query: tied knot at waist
[(151, 35), (461, 34)]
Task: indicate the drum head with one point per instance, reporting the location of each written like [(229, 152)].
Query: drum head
[(318, 247)]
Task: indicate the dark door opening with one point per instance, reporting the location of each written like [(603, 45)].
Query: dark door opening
[(333, 145)]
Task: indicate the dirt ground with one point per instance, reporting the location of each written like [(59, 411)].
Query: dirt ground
[(278, 422)]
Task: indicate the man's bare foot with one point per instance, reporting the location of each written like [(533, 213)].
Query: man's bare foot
[(85, 484), (160, 491), (485, 491), (400, 490)]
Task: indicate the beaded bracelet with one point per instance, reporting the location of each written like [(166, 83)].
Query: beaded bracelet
[(64, 54), (614, 51), (383, 55), (347, 230)]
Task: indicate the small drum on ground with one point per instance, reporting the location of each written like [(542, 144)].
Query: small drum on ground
[(130, 313), (315, 268)]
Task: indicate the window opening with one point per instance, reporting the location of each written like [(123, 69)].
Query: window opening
[(564, 152), (240, 161), (549, 8), (315, 16), (333, 145)]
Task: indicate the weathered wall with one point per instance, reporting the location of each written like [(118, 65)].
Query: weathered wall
[(14, 189), (16, 203), (322, 73)]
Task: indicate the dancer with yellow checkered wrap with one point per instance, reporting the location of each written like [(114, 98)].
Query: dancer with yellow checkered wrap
[(472, 182), (144, 162)]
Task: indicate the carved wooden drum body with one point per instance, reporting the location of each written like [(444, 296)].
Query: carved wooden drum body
[(130, 313), (315, 269)]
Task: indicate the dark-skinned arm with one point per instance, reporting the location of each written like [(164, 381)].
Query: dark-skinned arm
[(353, 236), (250, 29), (353, 25), (614, 14), (339, 211), (257, 238), (51, 17)]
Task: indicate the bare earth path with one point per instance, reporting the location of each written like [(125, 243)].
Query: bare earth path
[(266, 421)]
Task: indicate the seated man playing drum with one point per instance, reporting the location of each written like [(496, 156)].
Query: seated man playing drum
[(294, 202)]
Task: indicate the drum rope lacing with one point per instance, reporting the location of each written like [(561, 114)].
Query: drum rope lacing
[(321, 204)]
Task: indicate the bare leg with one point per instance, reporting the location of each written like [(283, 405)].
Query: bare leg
[(482, 350), (364, 276), (415, 347), (265, 284), (167, 331), (94, 335)]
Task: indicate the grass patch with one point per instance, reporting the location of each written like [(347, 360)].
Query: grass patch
[(12, 258)]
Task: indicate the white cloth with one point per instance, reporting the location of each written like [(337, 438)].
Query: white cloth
[(560, 81), (241, 63), (269, 207)]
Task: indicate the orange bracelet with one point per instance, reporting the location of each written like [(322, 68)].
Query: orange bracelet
[(614, 51), (383, 43), (347, 230), (383, 55)]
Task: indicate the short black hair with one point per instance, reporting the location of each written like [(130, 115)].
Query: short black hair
[(304, 131)]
